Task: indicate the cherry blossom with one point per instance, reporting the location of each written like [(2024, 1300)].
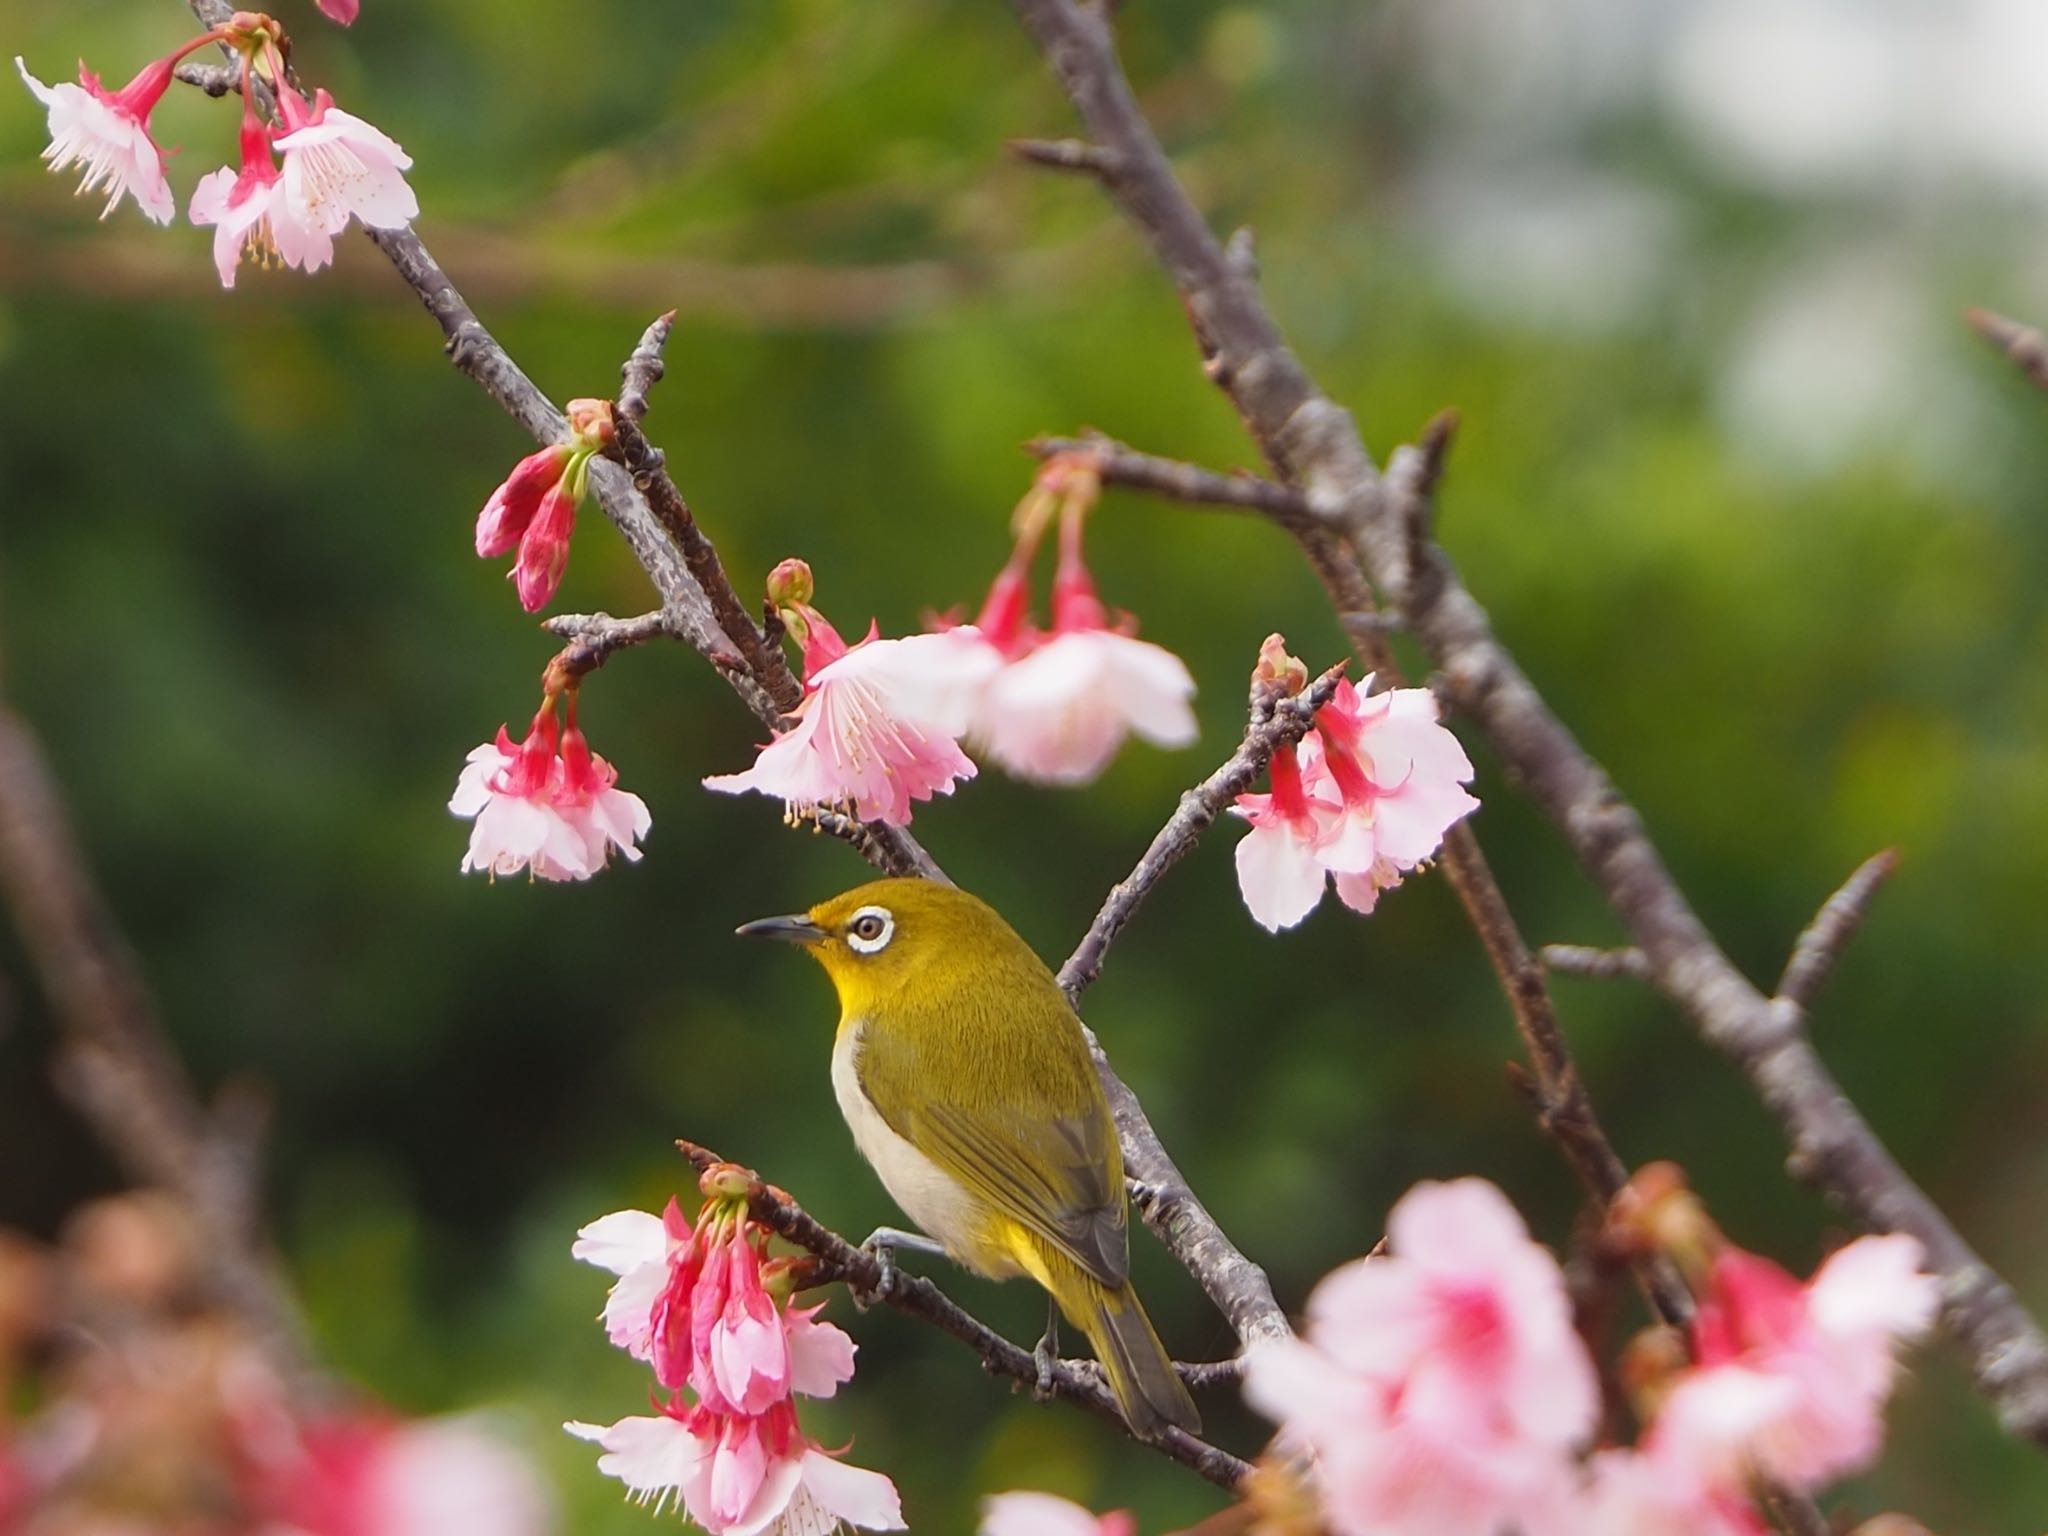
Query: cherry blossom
[(363, 1474), (1299, 838), (1441, 1389), (741, 1476), (512, 507), (693, 1303), (343, 11), (1397, 771), (338, 167), (107, 134), (1792, 1379), (879, 723), (1631, 1493), (250, 213), (1044, 1514), (1062, 704), (546, 804), (1368, 796)]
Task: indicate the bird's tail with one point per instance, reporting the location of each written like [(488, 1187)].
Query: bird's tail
[(1141, 1374)]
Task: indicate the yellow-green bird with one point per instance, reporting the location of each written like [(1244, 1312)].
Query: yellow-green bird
[(962, 1071)]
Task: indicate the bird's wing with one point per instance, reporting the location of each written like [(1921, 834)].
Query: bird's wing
[(1045, 1155)]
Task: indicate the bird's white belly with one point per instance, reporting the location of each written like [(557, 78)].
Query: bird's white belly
[(929, 1196)]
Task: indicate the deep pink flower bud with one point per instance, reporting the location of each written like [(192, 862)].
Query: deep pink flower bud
[(507, 515), (343, 11), (544, 547)]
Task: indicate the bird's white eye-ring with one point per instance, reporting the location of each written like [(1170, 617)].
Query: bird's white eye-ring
[(870, 931)]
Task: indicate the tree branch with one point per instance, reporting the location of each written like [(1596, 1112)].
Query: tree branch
[(1314, 443), (915, 1296), (1821, 945), (2025, 345), (1628, 962), (116, 1064)]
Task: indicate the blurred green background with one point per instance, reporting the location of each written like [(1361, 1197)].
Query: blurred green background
[(1753, 508)]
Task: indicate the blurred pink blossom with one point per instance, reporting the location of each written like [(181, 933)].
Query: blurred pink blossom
[(1043, 1514), (365, 1475), (1442, 1389), (1792, 1379), (343, 11), (1060, 705)]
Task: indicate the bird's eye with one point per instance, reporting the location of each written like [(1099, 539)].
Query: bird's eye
[(870, 930)]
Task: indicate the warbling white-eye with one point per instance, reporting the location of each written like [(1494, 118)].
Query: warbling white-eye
[(962, 1071)]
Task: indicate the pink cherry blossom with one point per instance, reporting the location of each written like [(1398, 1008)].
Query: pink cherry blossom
[(691, 1302), (1043, 1514), (1062, 705), (364, 1475), (546, 804), (107, 134), (1631, 1493), (544, 546), (510, 511), (1397, 771), (337, 167), (1792, 1380), (251, 215), (1299, 839), (741, 1476), (1442, 1389), (343, 11), (878, 725)]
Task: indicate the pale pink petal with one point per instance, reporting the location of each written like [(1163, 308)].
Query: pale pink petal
[(656, 1458), (1301, 1388), (1278, 875), (114, 149), (629, 1309), (777, 1502), (622, 1241), (741, 1475), (1409, 825), (1153, 688), (820, 1355), (340, 167), (1875, 1289), (935, 680), (1035, 1514), (448, 1475), (852, 1494), (1706, 1427)]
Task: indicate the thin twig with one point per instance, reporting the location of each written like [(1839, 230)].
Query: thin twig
[(1841, 915), (643, 370), (2024, 344), (115, 1061), (1120, 465), (1065, 155), (1311, 440), (917, 1297), (594, 637), (1275, 721), (1627, 963)]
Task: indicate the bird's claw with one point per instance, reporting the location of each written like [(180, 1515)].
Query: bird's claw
[(1046, 1356)]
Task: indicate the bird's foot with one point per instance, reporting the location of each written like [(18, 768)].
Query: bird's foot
[(1046, 1356), (882, 1244)]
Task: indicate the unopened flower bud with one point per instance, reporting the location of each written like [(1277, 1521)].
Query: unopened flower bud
[(591, 421), (1656, 1212), (1891, 1525), (248, 28), (790, 584), (726, 1181), (1278, 670)]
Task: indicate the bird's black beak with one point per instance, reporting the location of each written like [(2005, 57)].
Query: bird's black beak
[(794, 929)]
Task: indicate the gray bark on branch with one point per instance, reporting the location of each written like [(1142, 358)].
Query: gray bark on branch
[(1313, 444)]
